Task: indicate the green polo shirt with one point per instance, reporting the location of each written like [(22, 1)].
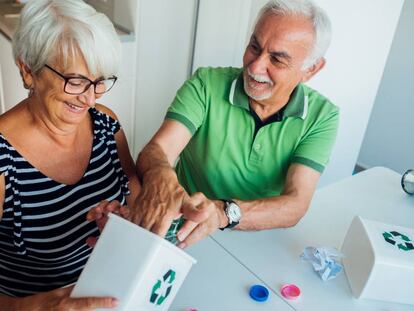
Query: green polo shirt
[(224, 159)]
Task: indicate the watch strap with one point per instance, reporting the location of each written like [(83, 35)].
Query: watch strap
[(231, 224)]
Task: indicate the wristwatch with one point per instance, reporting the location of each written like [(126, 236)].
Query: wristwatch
[(233, 213)]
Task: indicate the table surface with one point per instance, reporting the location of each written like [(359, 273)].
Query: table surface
[(273, 255), (218, 282)]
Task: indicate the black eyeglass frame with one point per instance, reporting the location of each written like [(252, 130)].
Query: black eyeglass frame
[(94, 83)]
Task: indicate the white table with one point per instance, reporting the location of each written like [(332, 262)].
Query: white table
[(273, 255), (218, 282)]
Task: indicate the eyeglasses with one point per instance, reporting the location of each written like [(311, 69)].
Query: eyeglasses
[(79, 85)]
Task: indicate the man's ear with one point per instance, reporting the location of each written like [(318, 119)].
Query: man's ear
[(25, 73), (314, 69)]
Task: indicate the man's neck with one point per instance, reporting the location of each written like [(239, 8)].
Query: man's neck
[(265, 110)]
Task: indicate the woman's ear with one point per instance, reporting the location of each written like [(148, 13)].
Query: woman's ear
[(26, 74)]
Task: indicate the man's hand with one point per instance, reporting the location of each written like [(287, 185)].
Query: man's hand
[(203, 216), (159, 201), (161, 196)]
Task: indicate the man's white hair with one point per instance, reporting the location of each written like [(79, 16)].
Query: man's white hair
[(50, 29), (309, 10)]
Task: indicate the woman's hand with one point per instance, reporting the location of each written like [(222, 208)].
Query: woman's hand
[(100, 214), (58, 300)]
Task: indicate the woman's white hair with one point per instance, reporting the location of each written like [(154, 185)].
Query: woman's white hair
[(308, 9), (57, 30)]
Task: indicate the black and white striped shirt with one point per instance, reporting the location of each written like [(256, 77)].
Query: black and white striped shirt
[(44, 228)]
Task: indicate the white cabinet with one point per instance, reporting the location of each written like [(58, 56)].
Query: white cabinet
[(11, 84)]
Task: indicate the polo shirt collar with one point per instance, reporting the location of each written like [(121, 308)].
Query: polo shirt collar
[(237, 96), (296, 107)]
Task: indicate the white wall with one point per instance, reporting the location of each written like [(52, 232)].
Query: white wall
[(121, 98), (11, 85), (389, 137), (363, 32), (164, 48), (222, 29), (155, 63)]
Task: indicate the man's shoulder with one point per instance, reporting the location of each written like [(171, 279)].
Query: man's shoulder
[(317, 101), (217, 74)]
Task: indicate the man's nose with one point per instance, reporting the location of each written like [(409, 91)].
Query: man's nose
[(259, 65)]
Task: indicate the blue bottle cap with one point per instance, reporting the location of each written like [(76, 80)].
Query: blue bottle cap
[(259, 293)]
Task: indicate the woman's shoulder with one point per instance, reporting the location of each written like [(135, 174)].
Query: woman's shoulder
[(13, 122), (106, 111), (4, 143), (105, 118)]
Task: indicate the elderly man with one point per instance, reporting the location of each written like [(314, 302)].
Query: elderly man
[(252, 142)]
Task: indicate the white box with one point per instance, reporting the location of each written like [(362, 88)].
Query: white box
[(379, 261), (134, 265)]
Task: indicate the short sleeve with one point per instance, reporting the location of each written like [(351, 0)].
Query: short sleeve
[(105, 129), (5, 155), (315, 147), (104, 124), (189, 104), (113, 124)]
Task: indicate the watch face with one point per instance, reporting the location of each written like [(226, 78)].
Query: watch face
[(233, 212)]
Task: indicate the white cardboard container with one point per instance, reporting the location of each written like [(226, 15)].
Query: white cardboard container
[(379, 261), (134, 265)]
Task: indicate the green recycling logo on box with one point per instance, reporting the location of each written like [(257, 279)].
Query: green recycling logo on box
[(404, 242), (158, 298)]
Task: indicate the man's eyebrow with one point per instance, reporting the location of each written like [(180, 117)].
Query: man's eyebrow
[(281, 54), (254, 39), (278, 54)]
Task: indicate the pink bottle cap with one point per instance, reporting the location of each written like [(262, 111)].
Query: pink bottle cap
[(290, 291)]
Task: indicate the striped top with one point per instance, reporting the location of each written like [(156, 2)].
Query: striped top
[(44, 228)]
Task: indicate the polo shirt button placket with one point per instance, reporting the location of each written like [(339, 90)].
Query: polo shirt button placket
[(257, 147)]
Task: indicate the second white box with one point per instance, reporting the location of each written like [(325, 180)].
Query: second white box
[(379, 261)]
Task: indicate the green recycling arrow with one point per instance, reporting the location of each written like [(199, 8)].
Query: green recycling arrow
[(156, 297), (389, 237)]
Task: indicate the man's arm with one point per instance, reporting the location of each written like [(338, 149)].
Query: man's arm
[(285, 210), (161, 197), (276, 212), (164, 148)]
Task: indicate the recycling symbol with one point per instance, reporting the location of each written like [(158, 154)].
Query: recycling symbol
[(402, 241), (167, 280)]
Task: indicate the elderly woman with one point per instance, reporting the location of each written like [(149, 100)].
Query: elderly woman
[(61, 154)]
